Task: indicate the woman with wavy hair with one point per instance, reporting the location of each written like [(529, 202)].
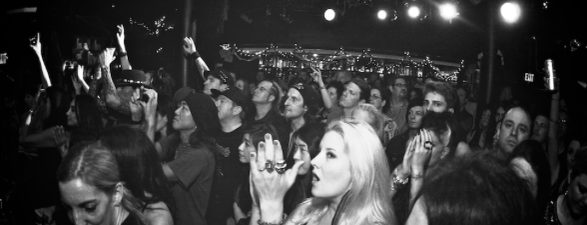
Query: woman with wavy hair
[(91, 188), (350, 182)]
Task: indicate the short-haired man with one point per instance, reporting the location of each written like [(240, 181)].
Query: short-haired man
[(464, 118), (266, 99), (515, 127), (232, 105), (398, 102), (439, 97), (356, 91)]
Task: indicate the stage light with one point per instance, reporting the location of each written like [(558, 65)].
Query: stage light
[(382, 14), (414, 11), (448, 11), (329, 14), (510, 12)]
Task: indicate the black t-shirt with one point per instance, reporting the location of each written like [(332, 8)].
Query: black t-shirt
[(226, 177), (280, 124)]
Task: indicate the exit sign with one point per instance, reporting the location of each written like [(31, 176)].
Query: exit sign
[(529, 77)]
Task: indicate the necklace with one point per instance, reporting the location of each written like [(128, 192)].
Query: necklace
[(182, 145)]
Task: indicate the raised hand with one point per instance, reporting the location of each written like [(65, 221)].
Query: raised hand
[(422, 152), (150, 107), (35, 43), (189, 46), (317, 76), (120, 34), (136, 109), (107, 57)]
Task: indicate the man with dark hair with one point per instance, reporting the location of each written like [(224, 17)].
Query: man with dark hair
[(355, 92), (464, 118), (232, 106), (398, 102), (439, 97), (515, 128)]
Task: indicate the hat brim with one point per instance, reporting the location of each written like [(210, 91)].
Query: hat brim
[(123, 84)]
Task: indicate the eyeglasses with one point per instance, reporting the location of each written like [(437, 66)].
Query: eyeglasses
[(399, 85)]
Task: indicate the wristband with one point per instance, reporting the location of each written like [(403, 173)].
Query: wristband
[(267, 223), (122, 54), (195, 55), (417, 176)]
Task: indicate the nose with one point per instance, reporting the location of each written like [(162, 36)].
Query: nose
[(428, 107), (77, 217), (241, 146), (514, 131)]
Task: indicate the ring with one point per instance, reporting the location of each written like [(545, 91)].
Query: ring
[(280, 164), (260, 170), (428, 145), (280, 170), (269, 165)]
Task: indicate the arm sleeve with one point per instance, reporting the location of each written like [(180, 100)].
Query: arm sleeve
[(189, 165)]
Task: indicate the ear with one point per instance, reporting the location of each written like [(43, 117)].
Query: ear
[(237, 110), (118, 194), (223, 87), (271, 98), (383, 102), (451, 110)]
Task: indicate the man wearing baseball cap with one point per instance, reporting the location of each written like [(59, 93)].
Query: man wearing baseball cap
[(232, 105), (219, 79)]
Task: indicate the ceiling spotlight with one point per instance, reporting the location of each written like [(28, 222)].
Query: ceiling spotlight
[(448, 11), (329, 14), (414, 11), (382, 14), (510, 12)]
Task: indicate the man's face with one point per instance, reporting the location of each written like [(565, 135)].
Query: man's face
[(540, 129), (376, 99), (211, 83), (294, 104), (462, 94), (514, 129), (261, 94), (183, 119), (350, 96), (400, 88), (127, 92), (499, 114), (225, 107), (434, 102)]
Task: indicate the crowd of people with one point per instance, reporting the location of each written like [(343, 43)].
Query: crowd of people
[(117, 145)]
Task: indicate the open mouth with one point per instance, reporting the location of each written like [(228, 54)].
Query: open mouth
[(315, 177)]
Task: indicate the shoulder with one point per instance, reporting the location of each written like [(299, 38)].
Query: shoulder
[(158, 214)]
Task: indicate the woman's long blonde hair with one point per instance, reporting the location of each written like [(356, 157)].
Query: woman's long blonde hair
[(368, 199)]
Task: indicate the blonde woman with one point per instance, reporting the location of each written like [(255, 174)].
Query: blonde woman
[(345, 191)]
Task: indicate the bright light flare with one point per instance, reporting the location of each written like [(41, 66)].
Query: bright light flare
[(448, 11), (382, 14), (329, 14), (510, 12), (414, 11)]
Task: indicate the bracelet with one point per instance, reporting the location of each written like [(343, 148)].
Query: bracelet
[(417, 176), (122, 54), (195, 55), (267, 223)]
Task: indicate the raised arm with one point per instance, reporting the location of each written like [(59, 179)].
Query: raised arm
[(122, 49), (189, 48), (112, 99), (150, 109), (419, 162), (317, 75), (79, 82), (36, 46), (552, 136)]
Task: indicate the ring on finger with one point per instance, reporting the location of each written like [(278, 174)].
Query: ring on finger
[(269, 166), (428, 145), (280, 164), (280, 170)]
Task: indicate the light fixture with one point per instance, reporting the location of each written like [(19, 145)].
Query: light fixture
[(510, 11), (414, 11), (329, 14), (448, 11), (382, 14)]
